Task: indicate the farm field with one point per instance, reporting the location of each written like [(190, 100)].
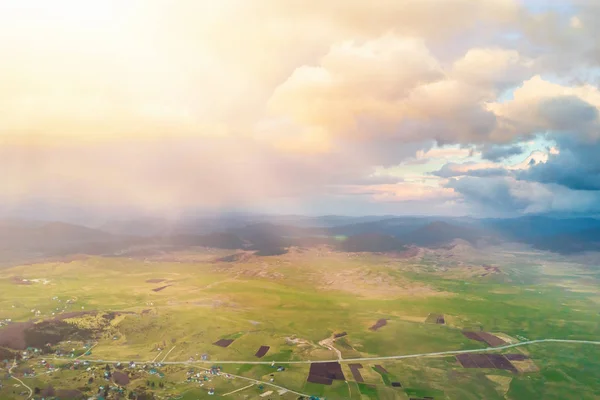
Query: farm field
[(191, 324)]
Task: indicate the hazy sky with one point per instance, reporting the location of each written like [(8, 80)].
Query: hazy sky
[(481, 107)]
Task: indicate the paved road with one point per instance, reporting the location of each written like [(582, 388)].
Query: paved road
[(400, 357), (382, 358)]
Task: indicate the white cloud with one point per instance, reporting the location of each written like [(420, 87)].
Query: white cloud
[(493, 67), (539, 105)]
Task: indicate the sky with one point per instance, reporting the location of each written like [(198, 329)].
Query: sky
[(420, 107)]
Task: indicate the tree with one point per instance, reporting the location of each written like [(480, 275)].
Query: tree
[(37, 390), (131, 396), (152, 384)]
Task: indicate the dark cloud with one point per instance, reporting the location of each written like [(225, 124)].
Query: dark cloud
[(512, 196), (488, 194), (497, 153), (567, 113), (576, 167)]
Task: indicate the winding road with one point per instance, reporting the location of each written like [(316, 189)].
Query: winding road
[(18, 380), (328, 344)]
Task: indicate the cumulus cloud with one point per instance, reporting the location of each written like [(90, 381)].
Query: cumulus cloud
[(576, 165), (539, 105), (493, 67), (356, 82), (388, 87), (563, 42)]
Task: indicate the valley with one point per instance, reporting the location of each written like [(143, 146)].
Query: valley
[(185, 322)]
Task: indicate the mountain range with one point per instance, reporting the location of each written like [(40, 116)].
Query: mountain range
[(21, 239)]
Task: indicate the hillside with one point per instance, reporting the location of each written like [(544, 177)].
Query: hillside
[(439, 233), (217, 240), (370, 242)]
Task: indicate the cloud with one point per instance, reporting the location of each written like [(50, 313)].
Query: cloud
[(567, 112), (493, 67), (539, 105), (490, 168), (356, 83), (387, 87), (576, 165), (498, 153), (563, 41), (512, 196), (161, 106), (452, 170), (444, 152), (407, 191)]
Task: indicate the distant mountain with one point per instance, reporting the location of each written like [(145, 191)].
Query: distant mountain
[(25, 239), (267, 231), (531, 228), (568, 243), (41, 235), (392, 226), (63, 232), (370, 242), (440, 233), (219, 240)]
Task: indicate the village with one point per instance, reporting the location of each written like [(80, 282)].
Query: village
[(104, 381)]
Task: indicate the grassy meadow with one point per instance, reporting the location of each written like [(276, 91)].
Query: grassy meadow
[(293, 301)]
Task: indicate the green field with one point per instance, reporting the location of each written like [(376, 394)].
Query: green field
[(293, 301)]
